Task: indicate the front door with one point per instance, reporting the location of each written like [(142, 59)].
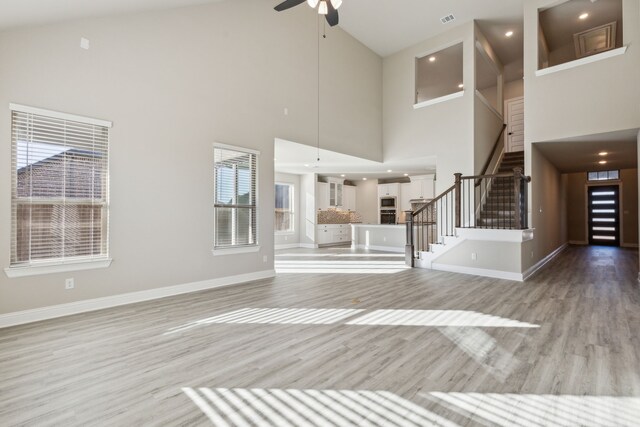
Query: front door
[(604, 215), (515, 124)]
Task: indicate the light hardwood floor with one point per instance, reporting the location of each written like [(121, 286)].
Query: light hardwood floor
[(346, 338)]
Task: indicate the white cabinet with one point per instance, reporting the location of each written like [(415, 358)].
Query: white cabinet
[(333, 234), (404, 200), (335, 194), (388, 190), (349, 198), (422, 187), (322, 196)]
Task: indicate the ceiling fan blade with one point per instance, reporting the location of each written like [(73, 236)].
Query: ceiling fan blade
[(287, 4), (332, 15)]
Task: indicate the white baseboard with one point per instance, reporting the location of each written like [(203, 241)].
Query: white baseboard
[(381, 248), (497, 274), (537, 266), (287, 246), (308, 246), (51, 312)]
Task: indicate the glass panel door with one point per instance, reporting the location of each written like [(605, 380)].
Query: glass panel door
[(604, 215)]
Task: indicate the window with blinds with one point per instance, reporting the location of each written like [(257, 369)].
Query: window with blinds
[(284, 208), (59, 197), (235, 198)]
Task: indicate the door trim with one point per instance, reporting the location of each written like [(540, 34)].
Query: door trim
[(506, 119)]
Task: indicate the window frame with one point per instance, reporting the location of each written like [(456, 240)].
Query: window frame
[(30, 267), (236, 248), (291, 210), (607, 179)]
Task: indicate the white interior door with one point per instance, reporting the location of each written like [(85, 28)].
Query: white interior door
[(515, 124)]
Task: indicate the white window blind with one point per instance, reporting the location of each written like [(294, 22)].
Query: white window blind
[(59, 197), (235, 198), (284, 208)]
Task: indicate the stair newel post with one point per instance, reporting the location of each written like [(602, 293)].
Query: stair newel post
[(458, 199), (409, 249), (517, 208)]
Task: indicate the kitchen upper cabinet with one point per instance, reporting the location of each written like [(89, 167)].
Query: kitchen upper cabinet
[(322, 196), (404, 200), (349, 198), (336, 190), (422, 187), (388, 190)]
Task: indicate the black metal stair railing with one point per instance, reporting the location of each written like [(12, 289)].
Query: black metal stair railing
[(497, 201), (429, 224)]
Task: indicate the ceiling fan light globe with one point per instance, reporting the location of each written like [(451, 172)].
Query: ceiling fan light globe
[(323, 9), (312, 3), (336, 3)]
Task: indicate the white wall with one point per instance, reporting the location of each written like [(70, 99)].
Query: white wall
[(290, 238), (444, 130), (514, 89), (589, 99), (173, 82), (489, 255), (548, 210)]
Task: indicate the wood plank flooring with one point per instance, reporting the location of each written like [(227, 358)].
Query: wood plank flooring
[(343, 337)]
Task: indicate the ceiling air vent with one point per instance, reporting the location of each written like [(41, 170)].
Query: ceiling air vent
[(447, 19), (595, 40)]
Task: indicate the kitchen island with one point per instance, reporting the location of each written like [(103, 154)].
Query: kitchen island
[(379, 237)]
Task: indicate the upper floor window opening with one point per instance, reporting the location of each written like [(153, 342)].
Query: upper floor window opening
[(439, 74), (578, 29)]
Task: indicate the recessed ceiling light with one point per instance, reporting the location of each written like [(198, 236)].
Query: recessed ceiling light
[(306, 165), (364, 179), (432, 59), (342, 175), (508, 33), (602, 153), (603, 162), (584, 16), (406, 174), (460, 85), (389, 170)]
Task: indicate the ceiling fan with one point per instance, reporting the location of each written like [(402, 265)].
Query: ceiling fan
[(328, 8)]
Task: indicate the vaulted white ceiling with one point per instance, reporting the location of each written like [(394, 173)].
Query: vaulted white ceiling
[(385, 26), (16, 13)]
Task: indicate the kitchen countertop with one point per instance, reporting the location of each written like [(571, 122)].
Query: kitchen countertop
[(378, 225)]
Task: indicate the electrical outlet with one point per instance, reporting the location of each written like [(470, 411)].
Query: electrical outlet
[(384, 239), (286, 238), (474, 256), (286, 111), (264, 258), (69, 283), (84, 43)]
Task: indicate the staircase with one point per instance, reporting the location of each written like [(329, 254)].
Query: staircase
[(498, 206)]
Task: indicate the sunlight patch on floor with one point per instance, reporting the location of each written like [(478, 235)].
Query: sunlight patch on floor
[(533, 410), (281, 316), (329, 316), (390, 317), (339, 267), (227, 407)]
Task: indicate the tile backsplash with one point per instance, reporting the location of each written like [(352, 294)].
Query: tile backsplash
[(333, 216)]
